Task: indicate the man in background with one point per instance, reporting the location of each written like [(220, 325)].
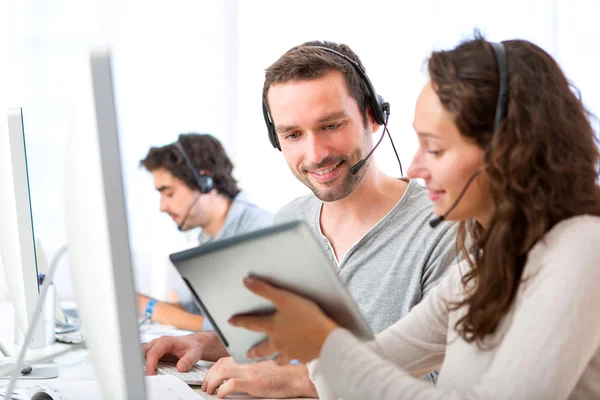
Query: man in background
[(194, 178)]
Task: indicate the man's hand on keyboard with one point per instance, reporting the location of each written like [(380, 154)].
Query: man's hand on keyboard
[(194, 376), (185, 350), (262, 379)]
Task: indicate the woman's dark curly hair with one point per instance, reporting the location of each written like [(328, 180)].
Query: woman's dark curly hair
[(542, 163)]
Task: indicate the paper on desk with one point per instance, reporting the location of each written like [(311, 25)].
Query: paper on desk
[(67, 390), (158, 387)]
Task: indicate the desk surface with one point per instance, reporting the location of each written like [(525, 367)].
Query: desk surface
[(73, 365)]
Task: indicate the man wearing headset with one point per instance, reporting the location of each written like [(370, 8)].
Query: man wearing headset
[(193, 177), (321, 112)]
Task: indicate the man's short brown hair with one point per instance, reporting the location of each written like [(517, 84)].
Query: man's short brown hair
[(305, 62), (206, 153)]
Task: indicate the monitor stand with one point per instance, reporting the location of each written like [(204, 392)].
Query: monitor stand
[(38, 371)]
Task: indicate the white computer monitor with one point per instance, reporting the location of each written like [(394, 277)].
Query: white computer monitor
[(17, 238), (98, 243)]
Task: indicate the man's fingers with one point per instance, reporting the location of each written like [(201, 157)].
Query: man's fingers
[(169, 358), (234, 385), (154, 352), (205, 382), (213, 380), (148, 346), (221, 370), (187, 361)]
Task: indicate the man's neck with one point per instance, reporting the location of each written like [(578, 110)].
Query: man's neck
[(374, 197), (219, 210), (345, 221)]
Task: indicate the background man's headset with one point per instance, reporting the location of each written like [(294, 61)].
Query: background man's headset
[(379, 108), (501, 111), (205, 183)]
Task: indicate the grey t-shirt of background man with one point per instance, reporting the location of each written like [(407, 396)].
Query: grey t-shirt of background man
[(396, 263), (242, 217)]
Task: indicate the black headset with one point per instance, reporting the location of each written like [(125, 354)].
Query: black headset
[(502, 102), (379, 107), (204, 182)]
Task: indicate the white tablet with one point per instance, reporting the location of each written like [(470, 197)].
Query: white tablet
[(288, 256)]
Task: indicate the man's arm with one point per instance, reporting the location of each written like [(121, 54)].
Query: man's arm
[(171, 314), (263, 379)]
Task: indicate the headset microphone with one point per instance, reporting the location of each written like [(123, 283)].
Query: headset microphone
[(203, 181), (356, 167), (438, 220), (187, 214)]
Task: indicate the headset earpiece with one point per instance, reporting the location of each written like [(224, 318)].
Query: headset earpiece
[(270, 127), (204, 182)]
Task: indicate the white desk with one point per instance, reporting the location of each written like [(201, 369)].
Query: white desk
[(72, 365)]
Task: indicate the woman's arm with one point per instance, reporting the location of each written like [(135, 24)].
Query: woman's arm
[(416, 343), (554, 334)]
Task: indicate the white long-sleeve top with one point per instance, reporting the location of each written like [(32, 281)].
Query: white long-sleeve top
[(546, 347)]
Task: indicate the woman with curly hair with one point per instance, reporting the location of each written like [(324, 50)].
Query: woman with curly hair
[(507, 149)]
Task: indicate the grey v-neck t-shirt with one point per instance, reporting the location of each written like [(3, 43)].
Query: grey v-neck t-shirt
[(396, 263)]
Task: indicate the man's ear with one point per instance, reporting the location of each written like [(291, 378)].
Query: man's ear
[(205, 172), (371, 120)]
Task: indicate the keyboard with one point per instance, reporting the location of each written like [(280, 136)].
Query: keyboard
[(71, 312), (70, 337), (194, 376)]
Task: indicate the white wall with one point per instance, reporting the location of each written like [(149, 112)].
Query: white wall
[(192, 65), (577, 43)]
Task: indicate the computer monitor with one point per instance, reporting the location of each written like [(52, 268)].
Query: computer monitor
[(99, 245), (17, 238)]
